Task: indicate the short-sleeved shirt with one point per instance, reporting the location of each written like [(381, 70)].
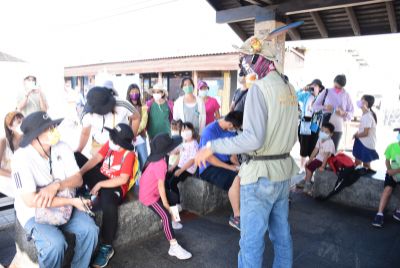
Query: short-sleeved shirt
[(148, 187), (30, 171), (33, 103), (158, 119), (192, 115), (212, 106), (187, 152), (325, 147), (112, 164), (392, 152), (212, 132), (238, 100), (122, 112), (368, 121)]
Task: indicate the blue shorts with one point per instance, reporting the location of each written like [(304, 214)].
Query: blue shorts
[(220, 177)]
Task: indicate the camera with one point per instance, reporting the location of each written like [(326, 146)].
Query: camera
[(310, 89)]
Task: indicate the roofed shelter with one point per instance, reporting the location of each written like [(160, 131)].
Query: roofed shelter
[(322, 19)]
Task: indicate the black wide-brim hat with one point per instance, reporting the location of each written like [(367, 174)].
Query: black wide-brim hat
[(100, 100), (161, 145), (35, 124), (122, 135)]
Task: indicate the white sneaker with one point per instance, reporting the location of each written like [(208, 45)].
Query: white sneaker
[(179, 252), (179, 207), (176, 225)]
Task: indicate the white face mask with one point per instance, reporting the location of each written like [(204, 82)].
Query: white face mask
[(323, 136), (113, 146), (174, 133), (157, 96), (203, 93), (187, 134)]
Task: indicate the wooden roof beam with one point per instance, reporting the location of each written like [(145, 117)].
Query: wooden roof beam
[(392, 16), (353, 20), (320, 24), (300, 6), (260, 2), (244, 13), (239, 31)]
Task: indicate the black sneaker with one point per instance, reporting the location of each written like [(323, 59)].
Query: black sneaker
[(396, 215), (378, 221)]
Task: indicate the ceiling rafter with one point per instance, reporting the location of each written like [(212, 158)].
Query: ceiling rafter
[(320, 24), (353, 20), (392, 16)]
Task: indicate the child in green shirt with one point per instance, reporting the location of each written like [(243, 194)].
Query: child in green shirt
[(392, 178)]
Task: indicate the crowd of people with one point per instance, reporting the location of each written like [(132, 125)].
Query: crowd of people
[(56, 188)]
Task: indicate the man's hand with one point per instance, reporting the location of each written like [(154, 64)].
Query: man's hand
[(202, 156), (45, 196), (96, 188), (321, 169), (178, 172)]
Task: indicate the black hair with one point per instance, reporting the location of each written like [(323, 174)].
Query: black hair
[(34, 78), (340, 79), (329, 126), (185, 79), (235, 117), (177, 123), (191, 127), (128, 97), (370, 101)]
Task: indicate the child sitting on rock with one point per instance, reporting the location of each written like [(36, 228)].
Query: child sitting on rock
[(324, 149), (392, 178)]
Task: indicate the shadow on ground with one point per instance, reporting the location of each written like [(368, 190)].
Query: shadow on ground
[(324, 235)]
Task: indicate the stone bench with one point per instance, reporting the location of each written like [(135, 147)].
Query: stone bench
[(201, 197), (365, 193), (135, 223)]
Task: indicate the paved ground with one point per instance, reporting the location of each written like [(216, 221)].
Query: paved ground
[(324, 235)]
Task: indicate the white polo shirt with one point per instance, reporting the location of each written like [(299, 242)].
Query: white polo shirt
[(123, 111), (30, 171)]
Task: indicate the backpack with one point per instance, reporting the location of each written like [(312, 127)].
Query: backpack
[(135, 175), (346, 172), (135, 169), (340, 161)]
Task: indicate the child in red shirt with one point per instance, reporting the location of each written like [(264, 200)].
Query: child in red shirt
[(109, 181)]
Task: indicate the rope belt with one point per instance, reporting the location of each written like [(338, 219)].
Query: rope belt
[(247, 158)]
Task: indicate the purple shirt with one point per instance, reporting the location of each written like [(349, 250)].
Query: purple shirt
[(341, 99)]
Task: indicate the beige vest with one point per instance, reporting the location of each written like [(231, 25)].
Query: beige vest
[(281, 132)]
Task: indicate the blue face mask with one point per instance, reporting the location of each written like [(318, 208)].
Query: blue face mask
[(398, 137), (232, 130), (323, 136)]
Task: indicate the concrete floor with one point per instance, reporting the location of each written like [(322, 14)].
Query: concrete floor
[(324, 235)]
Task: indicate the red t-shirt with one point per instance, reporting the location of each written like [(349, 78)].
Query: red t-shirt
[(112, 166)]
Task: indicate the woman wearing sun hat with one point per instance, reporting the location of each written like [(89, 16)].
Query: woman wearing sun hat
[(159, 110), (110, 183), (103, 110), (152, 188)]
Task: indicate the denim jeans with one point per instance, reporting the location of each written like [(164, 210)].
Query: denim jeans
[(51, 245), (142, 154), (264, 206)]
